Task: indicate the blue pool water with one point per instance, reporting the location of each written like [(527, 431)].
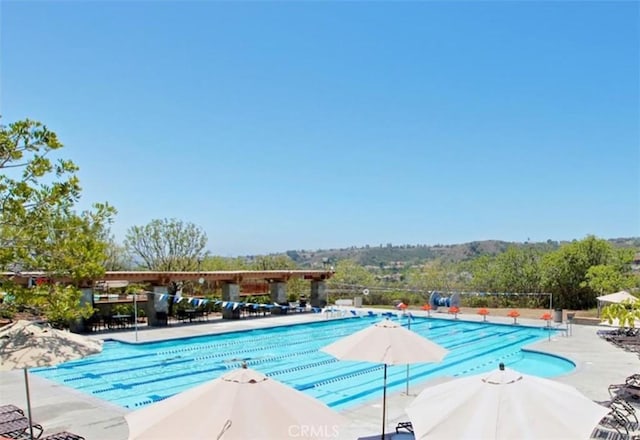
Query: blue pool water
[(135, 375)]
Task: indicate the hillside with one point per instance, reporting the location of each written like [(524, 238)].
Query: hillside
[(407, 255)]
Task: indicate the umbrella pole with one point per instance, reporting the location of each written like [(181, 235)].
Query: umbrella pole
[(409, 327), (135, 315), (407, 390), (384, 401), (26, 384)]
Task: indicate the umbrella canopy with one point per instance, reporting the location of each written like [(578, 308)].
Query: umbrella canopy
[(387, 343), (241, 405), (618, 297), (503, 404), (26, 344)]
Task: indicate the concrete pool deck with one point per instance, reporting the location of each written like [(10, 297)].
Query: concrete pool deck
[(59, 408)]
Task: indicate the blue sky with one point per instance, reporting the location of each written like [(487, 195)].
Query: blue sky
[(313, 125)]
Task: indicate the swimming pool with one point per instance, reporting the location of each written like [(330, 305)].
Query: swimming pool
[(135, 375)]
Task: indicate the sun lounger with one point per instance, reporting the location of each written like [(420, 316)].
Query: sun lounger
[(404, 426), (631, 390), (403, 436), (623, 409), (603, 433), (18, 426), (10, 409), (64, 435)]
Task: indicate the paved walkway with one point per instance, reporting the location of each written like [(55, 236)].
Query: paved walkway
[(60, 408)]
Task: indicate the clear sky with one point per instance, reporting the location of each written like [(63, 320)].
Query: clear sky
[(311, 125)]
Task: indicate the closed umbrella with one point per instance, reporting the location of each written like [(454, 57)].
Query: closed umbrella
[(240, 405), (387, 343), (26, 344), (501, 405)]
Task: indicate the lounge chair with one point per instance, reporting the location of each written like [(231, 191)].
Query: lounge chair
[(10, 409), (620, 389), (404, 426), (624, 409), (16, 425), (604, 433), (631, 387), (64, 435)]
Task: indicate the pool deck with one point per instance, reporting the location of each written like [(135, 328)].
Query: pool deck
[(59, 408)]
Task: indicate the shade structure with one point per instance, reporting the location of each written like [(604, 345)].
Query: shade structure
[(26, 344), (387, 343), (240, 405), (503, 404), (617, 297)]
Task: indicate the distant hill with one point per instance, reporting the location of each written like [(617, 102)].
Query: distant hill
[(408, 255)]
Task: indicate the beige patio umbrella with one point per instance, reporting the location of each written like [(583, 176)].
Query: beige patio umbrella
[(615, 298), (501, 405), (387, 343), (618, 297), (241, 405), (27, 344)]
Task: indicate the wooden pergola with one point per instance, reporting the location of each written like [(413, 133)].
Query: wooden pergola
[(164, 278)]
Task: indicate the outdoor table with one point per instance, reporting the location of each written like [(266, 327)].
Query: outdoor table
[(191, 313), (121, 321)]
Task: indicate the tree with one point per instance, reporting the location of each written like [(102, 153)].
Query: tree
[(435, 275), (274, 262), (39, 229), (485, 273), (625, 313), (350, 276), (117, 257), (167, 245), (75, 244), (518, 270), (605, 278), (564, 271), (32, 186), (213, 263)]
